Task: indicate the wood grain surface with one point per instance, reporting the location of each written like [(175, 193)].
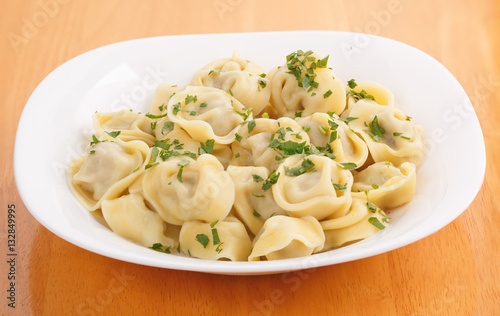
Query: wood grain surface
[(452, 272)]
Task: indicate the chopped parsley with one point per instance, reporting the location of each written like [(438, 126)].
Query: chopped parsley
[(202, 239), (203, 105), (231, 92), (352, 84), (181, 163), (245, 114), (306, 166), (271, 179), (302, 66), (153, 125), (376, 131), (237, 155), (238, 137), (369, 204), (94, 140), (215, 236), (114, 134), (152, 116), (361, 95), (251, 125), (265, 115), (190, 98), (214, 71), (257, 178), (256, 214), (339, 187), (375, 186), (91, 152), (375, 222), (348, 119), (327, 94), (347, 165), (167, 127), (159, 247), (206, 147), (298, 114)]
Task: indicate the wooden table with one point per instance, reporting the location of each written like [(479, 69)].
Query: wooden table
[(453, 272)]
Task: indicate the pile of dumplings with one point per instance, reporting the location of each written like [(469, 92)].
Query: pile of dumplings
[(244, 165)]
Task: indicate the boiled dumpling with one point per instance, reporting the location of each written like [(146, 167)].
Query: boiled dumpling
[(387, 186), (129, 217), (247, 83), (220, 240), (284, 237), (107, 169), (182, 189), (313, 185), (389, 134), (207, 113), (317, 91), (253, 205), (127, 124), (330, 132)]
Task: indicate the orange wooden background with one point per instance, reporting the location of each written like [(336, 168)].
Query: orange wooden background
[(453, 272)]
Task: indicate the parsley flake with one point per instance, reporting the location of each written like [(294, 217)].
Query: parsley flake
[(202, 239)]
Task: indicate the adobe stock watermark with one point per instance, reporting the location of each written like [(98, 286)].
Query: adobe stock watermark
[(460, 111), (380, 19), (292, 281), (139, 93), (95, 304), (30, 27), (221, 7)]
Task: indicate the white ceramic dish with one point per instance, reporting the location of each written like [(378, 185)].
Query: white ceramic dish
[(56, 126)]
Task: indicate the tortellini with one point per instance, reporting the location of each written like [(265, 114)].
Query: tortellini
[(223, 240), (359, 223), (244, 165), (130, 125), (306, 187), (242, 79), (184, 189), (325, 130), (305, 84), (388, 186), (267, 142), (207, 113), (389, 134), (106, 170), (129, 217), (253, 205), (284, 237)]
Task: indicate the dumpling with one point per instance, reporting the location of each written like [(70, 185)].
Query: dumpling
[(313, 185), (129, 217), (359, 223), (162, 94), (305, 84), (107, 169), (389, 134), (387, 186), (284, 237), (130, 125), (183, 143), (244, 80), (182, 189), (208, 113), (222, 240), (268, 142), (325, 130), (372, 91), (253, 205)]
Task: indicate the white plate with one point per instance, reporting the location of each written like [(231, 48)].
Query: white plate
[(56, 126)]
